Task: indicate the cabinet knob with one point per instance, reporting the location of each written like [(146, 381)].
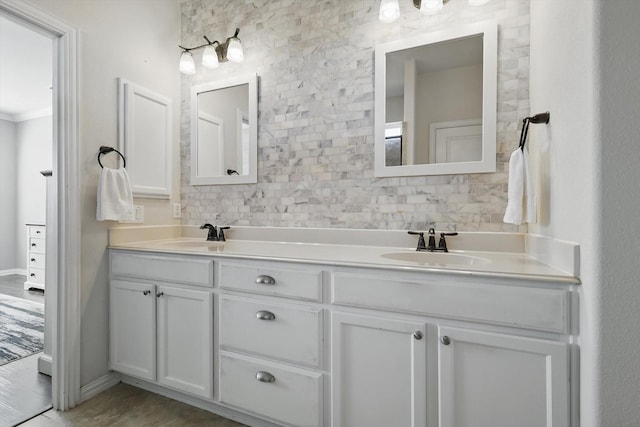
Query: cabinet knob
[(263, 279), (265, 315), (33, 245), (159, 294), (265, 377), (33, 260), (445, 340), (33, 275), (146, 292), (417, 335), (37, 231)]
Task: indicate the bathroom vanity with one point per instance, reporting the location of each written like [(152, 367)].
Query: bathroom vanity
[(330, 328)]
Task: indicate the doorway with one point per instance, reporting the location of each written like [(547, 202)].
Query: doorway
[(26, 128), (63, 315)]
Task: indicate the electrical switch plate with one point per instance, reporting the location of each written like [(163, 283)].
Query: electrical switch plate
[(177, 210)]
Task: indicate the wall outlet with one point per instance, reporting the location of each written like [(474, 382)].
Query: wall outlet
[(177, 210), (138, 216)]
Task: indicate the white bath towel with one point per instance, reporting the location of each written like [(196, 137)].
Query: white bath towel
[(115, 198), (521, 204)]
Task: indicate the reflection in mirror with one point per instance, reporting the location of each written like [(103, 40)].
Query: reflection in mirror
[(436, 103), (224, 132)]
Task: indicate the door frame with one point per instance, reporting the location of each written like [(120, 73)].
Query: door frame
[(63, 219)]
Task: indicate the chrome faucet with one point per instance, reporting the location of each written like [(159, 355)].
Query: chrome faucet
[(431, 246), (213, 235)]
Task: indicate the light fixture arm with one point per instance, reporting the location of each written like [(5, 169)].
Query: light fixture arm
[(418, 3), (208, 43)]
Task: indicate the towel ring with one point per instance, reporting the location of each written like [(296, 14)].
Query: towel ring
[(105, 150)]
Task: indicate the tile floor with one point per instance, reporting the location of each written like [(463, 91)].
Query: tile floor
[(128, 406)]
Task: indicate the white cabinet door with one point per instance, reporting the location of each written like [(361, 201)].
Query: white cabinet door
[(496, 380), (132, 329), (379, 372), (185, 340)]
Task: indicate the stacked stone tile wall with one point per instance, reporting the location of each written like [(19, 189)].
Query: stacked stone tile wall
[(315, 62)]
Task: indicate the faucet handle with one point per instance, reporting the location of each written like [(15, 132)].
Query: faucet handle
[(221, 237), (421, 245), (442, 244)]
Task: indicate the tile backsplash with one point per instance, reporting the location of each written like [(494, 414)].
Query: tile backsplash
[(315, 62)]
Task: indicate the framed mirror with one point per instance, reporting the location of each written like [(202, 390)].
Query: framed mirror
[(435, 103), (224, 132)]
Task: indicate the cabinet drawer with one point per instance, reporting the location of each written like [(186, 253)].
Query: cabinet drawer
[(36, 260), (36, 275), (192, 271), (281, 281), (36, 245), (294, 397), (530, 308), (36, 231), (281, 331)]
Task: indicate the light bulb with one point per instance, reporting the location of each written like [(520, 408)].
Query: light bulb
[(187, 66), (389, 11), (478, 2), (429, 7), (210, 57), (234, 50)]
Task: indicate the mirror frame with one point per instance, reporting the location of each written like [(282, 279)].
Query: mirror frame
[(489, 31), (252, 177)]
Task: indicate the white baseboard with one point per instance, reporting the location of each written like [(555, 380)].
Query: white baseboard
[(95, 387), (12, 271), (44, 364)]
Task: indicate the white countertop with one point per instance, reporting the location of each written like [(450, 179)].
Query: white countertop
[(511, 263)]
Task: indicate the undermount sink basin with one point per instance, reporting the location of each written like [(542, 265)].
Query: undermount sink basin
[(192, 244), (436, 258)]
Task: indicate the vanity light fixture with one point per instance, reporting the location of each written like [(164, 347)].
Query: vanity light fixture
[(214, 53), (390, 9)]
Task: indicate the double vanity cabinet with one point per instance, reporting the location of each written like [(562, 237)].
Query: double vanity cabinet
[(276, 342)]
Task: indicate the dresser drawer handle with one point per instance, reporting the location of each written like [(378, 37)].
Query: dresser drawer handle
[(265, 377), (33, 275), (265, 315), (37, 231), (263, 279), (33, 245), (33, 260)]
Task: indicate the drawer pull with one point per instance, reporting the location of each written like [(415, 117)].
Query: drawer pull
[(159, 294), (33, 274), (33, 260), (146, 292), (37, 231), (417, 335), (33, 245), (263, 279), (445, 340), (265, 315), (265, 377)]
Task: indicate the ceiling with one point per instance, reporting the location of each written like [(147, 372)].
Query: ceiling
[(26, 70)]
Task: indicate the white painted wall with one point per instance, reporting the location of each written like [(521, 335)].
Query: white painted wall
[(585, 62), (458, 95), (136, 40), (8, 200), (34, 152)]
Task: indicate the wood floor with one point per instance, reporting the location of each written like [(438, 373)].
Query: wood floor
[(24, 391), (13, 285), (128, 406)]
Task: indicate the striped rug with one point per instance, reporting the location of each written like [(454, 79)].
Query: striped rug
[(21, 328)]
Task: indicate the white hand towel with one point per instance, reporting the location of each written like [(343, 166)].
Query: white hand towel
[(115, 198), (521, 206)]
